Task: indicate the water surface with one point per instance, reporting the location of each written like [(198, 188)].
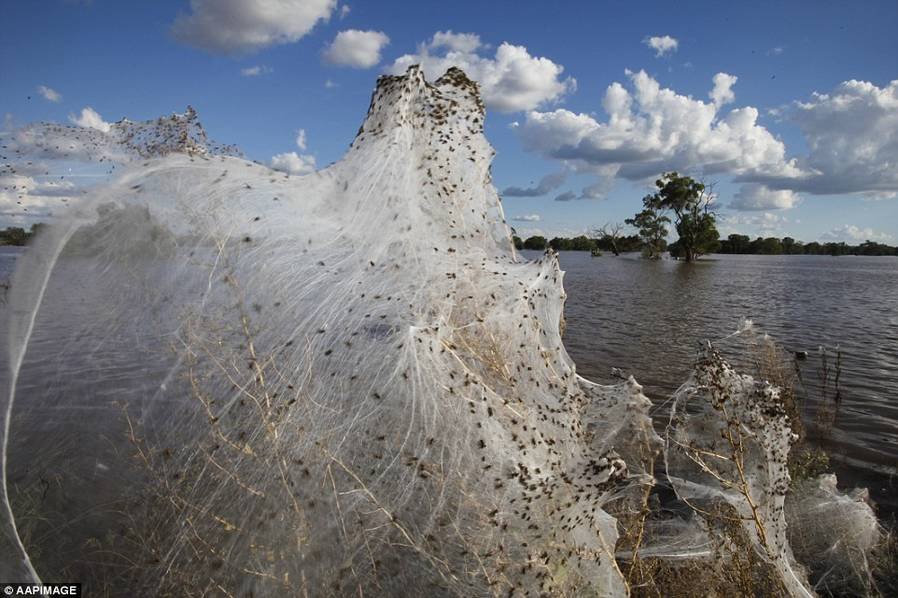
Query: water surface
[(648, 318)]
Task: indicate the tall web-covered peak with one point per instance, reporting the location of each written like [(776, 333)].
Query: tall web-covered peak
[(434, 159), (409, 99)]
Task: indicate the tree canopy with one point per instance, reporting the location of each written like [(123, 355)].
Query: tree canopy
[(16, 235), (651, 224), (690, 202)]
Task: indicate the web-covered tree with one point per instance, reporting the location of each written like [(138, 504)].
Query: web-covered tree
[(694, 220)]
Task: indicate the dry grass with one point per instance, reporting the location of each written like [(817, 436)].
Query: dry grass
[(735, 568)]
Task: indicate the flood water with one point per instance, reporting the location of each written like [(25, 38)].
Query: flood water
[(648, 318)]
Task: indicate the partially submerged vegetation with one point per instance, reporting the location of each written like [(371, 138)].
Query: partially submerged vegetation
[(18, 236), (690, 203), (734, 244)]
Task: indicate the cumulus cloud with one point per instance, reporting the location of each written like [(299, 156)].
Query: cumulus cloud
[(458, 42), (854, 234), (663, 44), (510, 80), (49, 94), (344, 11), (90, 119), (722, 93), (754, 196), (356, 49), (254, 71), (293, 163), (229, 26), (301, 139), (527, 218), (653, 129), (852, 136), (547, 184)]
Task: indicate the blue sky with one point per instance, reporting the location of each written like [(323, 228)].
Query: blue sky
[(578, 92)]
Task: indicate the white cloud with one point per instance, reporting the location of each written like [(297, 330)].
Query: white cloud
[(765, 223), (344, 11), (662, 44), (356, 49), (653, 129), (776, 51), (457, 42), (229, 26), (527, 218), (293, 163), (547, 184), (723, 89), (254, 71), (328, 84), (51, 95), (509, 81), (90, 119), (754, 196), (24, 200), (852, 233), (852, 136)]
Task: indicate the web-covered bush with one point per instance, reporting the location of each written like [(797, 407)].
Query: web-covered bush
[(345, 383)]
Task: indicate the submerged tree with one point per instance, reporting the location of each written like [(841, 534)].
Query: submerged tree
[(609, 234), (690, 201), (652, 226)]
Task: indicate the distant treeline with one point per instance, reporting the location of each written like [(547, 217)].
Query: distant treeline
[(742, 244), (16, 235), (581, 243), (733, 244)]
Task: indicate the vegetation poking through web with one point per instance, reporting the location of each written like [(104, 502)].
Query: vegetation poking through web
[(348, 383)]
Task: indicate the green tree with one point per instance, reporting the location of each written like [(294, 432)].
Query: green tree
[(790, 246), (582, 243), (536, 242), (13, 235), (559, 243), (690, 201), (813, 248), (772, 246), (739, 243), (652, 227)]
